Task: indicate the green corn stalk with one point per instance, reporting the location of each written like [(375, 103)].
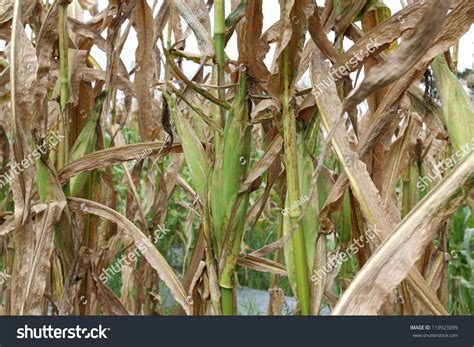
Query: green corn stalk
[(63, 39), (219, 41), (63, 232), (63, 55), (293, 194), (309, 224), (219, 35), (216, 182), (228, 207), (457, 107), (85, 144)]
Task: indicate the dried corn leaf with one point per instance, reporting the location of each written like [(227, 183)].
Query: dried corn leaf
[(404, 56), (196, 15), (392, 261), (147, 248)]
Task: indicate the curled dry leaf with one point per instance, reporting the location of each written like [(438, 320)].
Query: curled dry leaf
[(196, 15), (404, 56), (112, 156), (252, 49), (261, 264)]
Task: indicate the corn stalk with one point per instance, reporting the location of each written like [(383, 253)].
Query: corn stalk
[(293, 194)]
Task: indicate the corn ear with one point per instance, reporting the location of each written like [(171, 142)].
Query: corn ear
[(227, 206), (85, 144), (457, 107), (236, 156), (194, 152)]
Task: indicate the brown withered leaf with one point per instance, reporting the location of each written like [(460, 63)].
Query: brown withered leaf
[(8, 225), (293, 23), (406, 55), (115, 155), (195, 13), (261, 264), (276, 302), (76, 71), (398, 157), (161, 18), (27, 9), (86, 36), (318, 286), (345, 13), (381, 36), (319, 37), (38, 267), (252, 49), (128, 281), (76, 274), (24, 252), (47, 38), (120, 82), (23, 68), (4, 149)]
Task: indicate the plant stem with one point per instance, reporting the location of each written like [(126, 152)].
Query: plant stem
[(237, 146), (219, 38), (169, 35), (227, 301), (63, 80), (298, 242)]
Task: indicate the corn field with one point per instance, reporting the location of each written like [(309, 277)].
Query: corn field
[(161, 157)]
